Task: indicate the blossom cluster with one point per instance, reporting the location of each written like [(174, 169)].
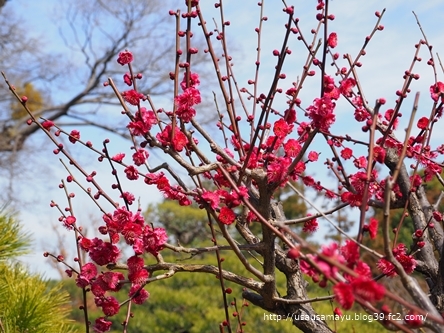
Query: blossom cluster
[(359, 284), (277, 153), (142, 237)]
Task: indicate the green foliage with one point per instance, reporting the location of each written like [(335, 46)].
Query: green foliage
[(28, 305), (184, 223), (13, 240), (27, 302)]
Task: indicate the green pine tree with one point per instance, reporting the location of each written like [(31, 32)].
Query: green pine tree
[(27, 302)]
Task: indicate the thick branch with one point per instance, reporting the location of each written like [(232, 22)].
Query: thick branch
[(196, 268)]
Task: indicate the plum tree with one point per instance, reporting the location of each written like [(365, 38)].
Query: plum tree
[(267, 139)]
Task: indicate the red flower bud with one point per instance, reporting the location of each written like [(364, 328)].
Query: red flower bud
[(293, 253)]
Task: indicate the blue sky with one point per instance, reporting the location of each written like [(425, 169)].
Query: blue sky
[(388, 56)]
